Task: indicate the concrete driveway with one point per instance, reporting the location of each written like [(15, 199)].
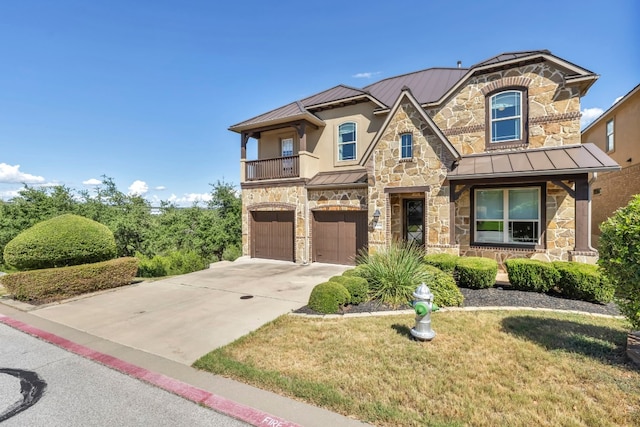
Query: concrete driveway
[(184, 317)]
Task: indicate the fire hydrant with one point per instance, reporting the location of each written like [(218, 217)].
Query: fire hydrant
[(423, 306)]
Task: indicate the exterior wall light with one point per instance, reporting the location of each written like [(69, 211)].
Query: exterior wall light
[(376, 218)]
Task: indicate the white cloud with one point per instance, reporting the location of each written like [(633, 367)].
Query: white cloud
[(617, 99), (12, 175), (138, 188), (160, 188), (9, 194), (366, 75), (189, 199), (589, 115), (92, 181)]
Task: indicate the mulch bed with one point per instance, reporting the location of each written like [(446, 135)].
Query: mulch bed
[(497, 296)]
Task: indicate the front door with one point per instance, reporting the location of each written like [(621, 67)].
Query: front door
[(414, 221)]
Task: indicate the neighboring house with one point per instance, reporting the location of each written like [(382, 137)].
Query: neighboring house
[(616, 132), (483, 161)]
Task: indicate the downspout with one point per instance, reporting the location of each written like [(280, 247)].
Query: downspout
[(593, 179), (305, 260)]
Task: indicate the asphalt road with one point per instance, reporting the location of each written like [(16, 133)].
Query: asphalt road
[(43, 385)]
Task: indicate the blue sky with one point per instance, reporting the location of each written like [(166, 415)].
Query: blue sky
[(144, 91)]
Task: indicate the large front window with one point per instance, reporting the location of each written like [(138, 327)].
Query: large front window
[(507, 216), (347, 141), (506, 116)]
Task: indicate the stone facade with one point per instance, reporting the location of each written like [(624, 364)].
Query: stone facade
[(553, 109)]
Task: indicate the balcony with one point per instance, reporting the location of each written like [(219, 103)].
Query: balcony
[(278, 168)]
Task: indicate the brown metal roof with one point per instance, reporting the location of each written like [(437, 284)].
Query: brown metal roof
[(542, 161), (334, 94), (426, 85), (339, 179), (509, 56), (289, 110)]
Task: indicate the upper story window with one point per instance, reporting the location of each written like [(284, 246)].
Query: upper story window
[(347, 141), (287, 147), (506, 117), (406, 146), (610, 145)]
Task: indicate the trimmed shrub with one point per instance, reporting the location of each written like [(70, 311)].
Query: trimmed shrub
[(358, 272), (393, 273), (328, 297), (444, 262), (584, 281), (476, 272), (358, 287), (620, 258), (178, 262), (531, 275), (62, 241), (445, 291), (54, 284)]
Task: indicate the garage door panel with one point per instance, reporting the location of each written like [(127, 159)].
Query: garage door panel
[(272, 235), (339, 235)]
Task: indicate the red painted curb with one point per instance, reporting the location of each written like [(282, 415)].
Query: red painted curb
[(218, 403)]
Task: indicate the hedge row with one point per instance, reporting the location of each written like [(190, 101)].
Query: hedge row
[(470, 272), (54, 284), (571, 279)]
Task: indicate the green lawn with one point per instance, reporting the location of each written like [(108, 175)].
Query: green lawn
[(493, 368)]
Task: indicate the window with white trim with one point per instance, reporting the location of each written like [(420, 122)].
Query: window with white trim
[(347, 141), (287, 147), (610, 144), (506, 116), (507, 216), (406, 146)]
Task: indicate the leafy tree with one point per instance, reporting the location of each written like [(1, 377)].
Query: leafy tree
[(620, 257)]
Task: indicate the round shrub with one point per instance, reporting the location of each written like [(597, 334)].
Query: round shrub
[(445, 291), (531, 275), (328, 297), (584, 282), (445, 262), (358, 271), (620, 258), (357, 287), (476, 272), (65, 240)]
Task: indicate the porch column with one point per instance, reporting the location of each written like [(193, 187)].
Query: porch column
[(583, 215), (302, 135), (244, 138)]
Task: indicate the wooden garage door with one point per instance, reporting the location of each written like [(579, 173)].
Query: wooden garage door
[(272, 235), (338, 236)]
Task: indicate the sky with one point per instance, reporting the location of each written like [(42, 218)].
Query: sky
[(143, 91)]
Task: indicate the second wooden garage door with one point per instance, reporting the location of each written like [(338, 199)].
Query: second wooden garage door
[(338, 236), (272, 235)]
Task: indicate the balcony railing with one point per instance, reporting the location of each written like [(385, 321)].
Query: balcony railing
[(278, 168)]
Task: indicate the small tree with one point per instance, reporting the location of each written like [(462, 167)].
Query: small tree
[(620, 257)]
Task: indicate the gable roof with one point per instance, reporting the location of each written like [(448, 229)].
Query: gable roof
[(570, 159), (406, 93), (429, 87)]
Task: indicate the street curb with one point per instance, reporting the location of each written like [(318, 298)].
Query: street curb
[(219, 404)]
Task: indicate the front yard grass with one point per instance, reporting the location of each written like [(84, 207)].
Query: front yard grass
[(492, 368)]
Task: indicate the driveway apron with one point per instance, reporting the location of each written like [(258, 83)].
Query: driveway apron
[(184, 317)]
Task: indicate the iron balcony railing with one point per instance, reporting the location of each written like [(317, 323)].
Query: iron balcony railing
[(278, 168)]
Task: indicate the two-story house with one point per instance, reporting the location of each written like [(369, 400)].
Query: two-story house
[(617, 133), (480, 161)]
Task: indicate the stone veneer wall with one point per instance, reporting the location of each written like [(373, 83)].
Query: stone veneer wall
[(560, 231), (293, 198), (553, 109), (273, 199), (427, 168)]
